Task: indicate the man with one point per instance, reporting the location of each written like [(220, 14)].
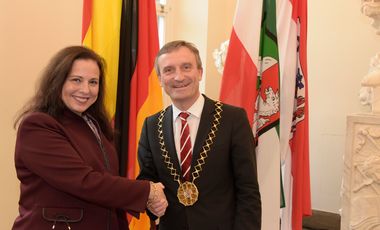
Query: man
[(201, 150)]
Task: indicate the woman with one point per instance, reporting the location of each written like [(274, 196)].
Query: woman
[(64, 154)]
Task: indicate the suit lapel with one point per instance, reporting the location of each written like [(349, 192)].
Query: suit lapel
[(203, 129), (169, 138)]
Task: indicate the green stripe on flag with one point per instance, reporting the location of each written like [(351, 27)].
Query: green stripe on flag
[(269, 74)]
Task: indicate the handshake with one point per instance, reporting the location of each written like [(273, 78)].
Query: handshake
[(157, 202)]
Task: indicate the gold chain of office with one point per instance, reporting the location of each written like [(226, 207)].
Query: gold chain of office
[(187, 191)]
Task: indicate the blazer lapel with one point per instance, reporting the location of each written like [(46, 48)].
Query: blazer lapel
[(169, 138), (204, 128)]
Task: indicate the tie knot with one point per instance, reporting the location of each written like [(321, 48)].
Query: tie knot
[(184, 115)]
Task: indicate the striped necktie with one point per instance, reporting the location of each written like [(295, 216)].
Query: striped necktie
[(185, 146)]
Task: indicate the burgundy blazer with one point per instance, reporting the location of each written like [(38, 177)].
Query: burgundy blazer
[(229, 196), (68, 178)]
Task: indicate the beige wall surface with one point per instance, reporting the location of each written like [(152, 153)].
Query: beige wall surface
[(30, 33), (187, 20), (220, 19), (340, 45)]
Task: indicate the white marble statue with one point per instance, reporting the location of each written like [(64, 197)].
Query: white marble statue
[(220, 56), (360, 190), (370, 91), (371, 8)]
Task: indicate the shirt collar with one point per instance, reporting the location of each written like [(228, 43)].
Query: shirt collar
[(194, 110)]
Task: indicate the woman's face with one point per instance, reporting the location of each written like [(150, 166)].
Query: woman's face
[(81, 86)]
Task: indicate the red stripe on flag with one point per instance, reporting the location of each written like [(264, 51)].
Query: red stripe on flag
[(302, 11), (146, 52), (87, 15), (300, 171), (300, 142), (239, 75)]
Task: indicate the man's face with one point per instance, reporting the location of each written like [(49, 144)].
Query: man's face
[(179, 76)]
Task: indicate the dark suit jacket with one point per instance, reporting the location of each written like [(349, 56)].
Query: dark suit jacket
[(229, 195), (65, 178)]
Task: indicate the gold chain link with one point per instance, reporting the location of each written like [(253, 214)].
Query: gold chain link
[(205, 149)]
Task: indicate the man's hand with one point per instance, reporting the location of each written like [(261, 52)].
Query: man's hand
[(157, 202)]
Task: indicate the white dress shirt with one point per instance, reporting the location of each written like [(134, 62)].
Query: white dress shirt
[(193, 120)]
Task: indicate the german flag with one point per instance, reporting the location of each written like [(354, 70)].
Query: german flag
[(101, 32), (125, 34)]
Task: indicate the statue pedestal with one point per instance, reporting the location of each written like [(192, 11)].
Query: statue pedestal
[(360, 190), (376, 100)]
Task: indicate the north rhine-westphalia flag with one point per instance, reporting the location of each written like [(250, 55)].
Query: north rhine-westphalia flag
[(265, 73), (125, 33)]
